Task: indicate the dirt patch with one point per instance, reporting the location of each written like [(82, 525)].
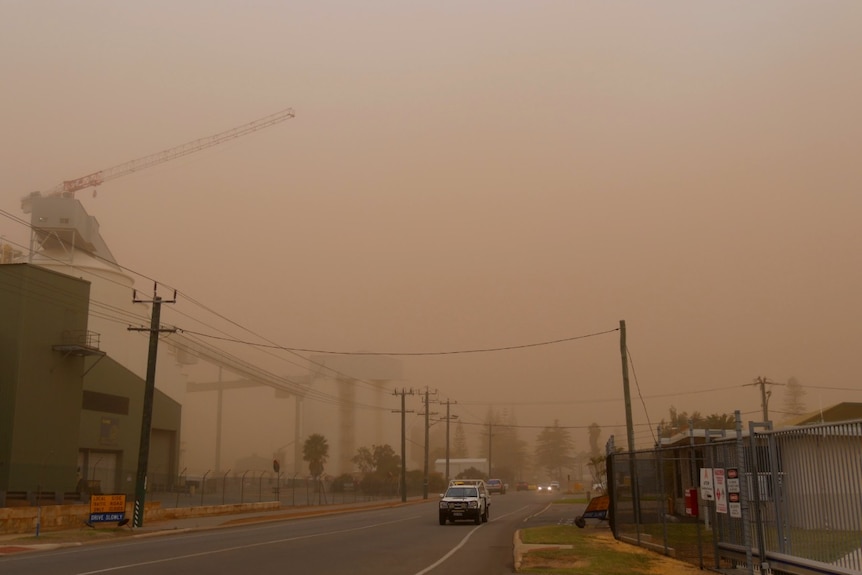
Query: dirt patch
[(603, 550), (662, 564), (533, 561), (11, 549)]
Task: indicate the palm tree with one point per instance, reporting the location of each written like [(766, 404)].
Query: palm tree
[(315, 451)]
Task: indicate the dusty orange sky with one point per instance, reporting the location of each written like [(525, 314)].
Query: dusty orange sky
[(465, 175)]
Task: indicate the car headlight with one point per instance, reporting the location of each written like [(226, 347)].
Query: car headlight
[(444, 505), (473, 504)]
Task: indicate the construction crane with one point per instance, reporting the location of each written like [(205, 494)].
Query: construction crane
[(69, 187)]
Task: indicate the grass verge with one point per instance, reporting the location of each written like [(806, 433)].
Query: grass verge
[(591, 552)]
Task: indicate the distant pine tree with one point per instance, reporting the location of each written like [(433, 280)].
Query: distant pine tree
[(459, 443), (793, 397), (554, 447)]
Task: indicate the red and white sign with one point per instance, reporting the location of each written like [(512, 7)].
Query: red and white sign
[(732, 481), (735, 505), (718, 479)]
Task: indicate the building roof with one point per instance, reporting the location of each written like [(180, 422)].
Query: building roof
[(844, 411)]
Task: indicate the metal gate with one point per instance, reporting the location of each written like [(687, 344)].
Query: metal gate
[(787, 501)]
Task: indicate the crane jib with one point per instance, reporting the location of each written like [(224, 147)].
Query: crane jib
[(98, 178)]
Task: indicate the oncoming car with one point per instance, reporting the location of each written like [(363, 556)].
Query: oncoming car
[(496, 486)]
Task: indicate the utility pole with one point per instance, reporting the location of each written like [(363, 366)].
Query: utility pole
[(490, 444), (403, 393), (630, 428), (149, 391), (448, 418), (764, 395), (219, 403), (427, 426)]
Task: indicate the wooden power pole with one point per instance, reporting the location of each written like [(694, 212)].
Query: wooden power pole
[(149, 392)]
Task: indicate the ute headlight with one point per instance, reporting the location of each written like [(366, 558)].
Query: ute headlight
[(473, 504), (444, 505)]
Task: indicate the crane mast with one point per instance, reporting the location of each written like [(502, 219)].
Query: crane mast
[(69, 187)]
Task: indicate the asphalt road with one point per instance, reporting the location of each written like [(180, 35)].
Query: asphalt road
[(404, 540)]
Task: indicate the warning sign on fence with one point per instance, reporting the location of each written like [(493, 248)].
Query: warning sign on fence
[(733, 480), (707, 492), (720, 485)]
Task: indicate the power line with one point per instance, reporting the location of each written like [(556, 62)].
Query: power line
[(593, 401), (518, 426), (826, 388), (185, 295), (402, 354)]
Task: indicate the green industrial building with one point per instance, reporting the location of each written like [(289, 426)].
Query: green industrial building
[(70, 416)]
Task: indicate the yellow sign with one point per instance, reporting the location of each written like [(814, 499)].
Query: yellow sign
[(598, 508), (112, 503)]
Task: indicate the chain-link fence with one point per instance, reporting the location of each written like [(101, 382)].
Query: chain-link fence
[(207, 489), (786, 501)]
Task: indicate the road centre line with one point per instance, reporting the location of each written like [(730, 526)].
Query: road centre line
[(249, 546), (537, 513)]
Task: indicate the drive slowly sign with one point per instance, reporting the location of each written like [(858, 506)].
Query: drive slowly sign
[(105, 508)]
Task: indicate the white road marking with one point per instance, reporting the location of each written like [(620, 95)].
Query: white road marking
[(451, 552), (461, 544), (537, 513), (261, 544)]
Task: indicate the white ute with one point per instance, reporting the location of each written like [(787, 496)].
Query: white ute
[(464, 500)]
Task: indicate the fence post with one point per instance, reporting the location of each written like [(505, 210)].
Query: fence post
[(707, 444), (777, 490), (204, 486), (610, 453), (224, 486), (662, 500), (182, 483), (695, 479), (743, 496)]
